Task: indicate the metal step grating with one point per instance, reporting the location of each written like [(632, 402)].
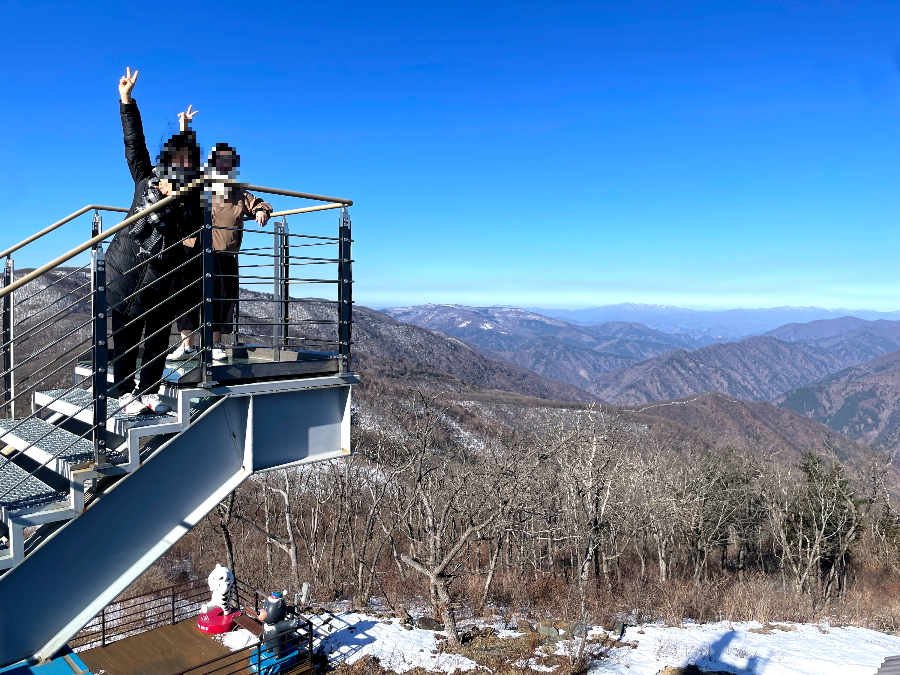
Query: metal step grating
[(46, 440), (32, 491), (82, 398)]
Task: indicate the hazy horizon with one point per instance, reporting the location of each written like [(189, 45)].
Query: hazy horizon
[(658, 305)]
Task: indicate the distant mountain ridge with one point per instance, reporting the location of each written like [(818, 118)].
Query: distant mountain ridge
[(757, 368), (554, 349), (626, 363), (754, 369), (862, 401), (724, 324)]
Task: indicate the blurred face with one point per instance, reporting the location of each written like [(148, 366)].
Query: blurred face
[(224, 161), (182, 158)]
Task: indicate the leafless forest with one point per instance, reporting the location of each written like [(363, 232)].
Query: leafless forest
[(577, 514)]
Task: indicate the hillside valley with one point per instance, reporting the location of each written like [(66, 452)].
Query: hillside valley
[(862, 401), (499, 406)]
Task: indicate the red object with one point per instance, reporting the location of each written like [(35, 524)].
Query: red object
[(216, 621)]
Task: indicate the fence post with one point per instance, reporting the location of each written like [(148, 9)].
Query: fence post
[(173, 605), (103, 628), (100, 353), (277, 304), (96, 227), (285, 284), (207, 286), (345, 291), (8, 333)]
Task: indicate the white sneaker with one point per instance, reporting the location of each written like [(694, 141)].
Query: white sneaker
[(152, 403), (182, 353), (219, 353), (133, 404)]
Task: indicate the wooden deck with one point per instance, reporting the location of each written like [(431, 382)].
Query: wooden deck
[(169, 650), (161, 651)]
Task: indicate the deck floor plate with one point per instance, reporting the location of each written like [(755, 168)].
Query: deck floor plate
[(162, 651), (168, 650)]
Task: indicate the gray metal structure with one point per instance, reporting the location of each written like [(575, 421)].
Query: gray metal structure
[(890, 666), (150, 477)]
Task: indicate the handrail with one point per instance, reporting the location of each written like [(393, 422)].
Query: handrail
[(291, 193), (323, 207), (31, 276), (50, 228), (40, 271)]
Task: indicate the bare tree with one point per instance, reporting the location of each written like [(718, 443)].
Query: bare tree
[(815, 515), (446, 495)]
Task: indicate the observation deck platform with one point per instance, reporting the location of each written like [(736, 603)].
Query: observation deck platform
[(249, 363)]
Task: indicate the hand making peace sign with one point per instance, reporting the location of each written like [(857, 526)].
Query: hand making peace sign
[(185, 117), (126, 84)]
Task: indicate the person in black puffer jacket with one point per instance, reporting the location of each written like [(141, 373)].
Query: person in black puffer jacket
[(142, 258)]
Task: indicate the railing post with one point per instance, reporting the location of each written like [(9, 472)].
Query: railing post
[(8, 333), (97, 226), (345, 291), (208, 287), (173, 605), (100, 355), (285, 284), (277, 305), (103, 628)]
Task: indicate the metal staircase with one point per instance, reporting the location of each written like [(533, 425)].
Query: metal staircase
[(90, 496)]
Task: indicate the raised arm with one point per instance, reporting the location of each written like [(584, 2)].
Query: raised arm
[(185, 119), (133, 130)]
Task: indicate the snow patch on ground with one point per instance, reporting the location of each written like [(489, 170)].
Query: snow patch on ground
[(237, 639), (799, 649), (806, 650), (351, 636)]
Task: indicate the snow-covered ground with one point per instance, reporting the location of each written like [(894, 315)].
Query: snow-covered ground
[(806, 650), (792, 649)]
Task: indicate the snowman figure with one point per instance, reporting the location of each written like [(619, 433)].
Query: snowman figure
[(221, 583)]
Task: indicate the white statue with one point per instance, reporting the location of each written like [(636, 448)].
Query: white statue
[(221, 583)]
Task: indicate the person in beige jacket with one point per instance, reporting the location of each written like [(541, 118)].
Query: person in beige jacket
[(230, 205)]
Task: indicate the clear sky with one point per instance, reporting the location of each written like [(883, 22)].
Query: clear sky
[(700, 154)]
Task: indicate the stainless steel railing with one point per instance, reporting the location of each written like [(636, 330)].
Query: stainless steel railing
[(65, 315)]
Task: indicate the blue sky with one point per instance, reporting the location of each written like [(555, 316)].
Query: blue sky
[(705, 154)]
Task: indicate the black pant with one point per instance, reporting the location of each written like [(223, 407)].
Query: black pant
[(156, 326), (225, 283)]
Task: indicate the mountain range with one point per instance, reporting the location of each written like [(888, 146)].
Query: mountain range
[(717, 324), (629, 364), (841, 375), (552, 348)]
